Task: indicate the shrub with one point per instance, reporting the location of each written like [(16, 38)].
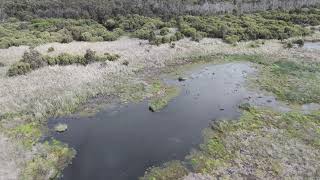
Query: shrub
[(189, 32), (164, 31), (67, 39), (90, 56), (197, 37), (173, 38), (67, 59), (86, 36), (300, 42), (111, 57), (179, 35), (143, 33), (289, 44), (34, 58), (232, 39), (50, 60), (110, 36), (110, 24), (165, 39), (19, 68), (50, 49)]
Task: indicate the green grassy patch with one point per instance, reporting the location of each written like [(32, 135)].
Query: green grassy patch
[(28, 134), (48, 165), (169, 171), (163, 94)]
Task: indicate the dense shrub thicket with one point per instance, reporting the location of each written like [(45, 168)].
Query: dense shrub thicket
[(33, 60), (232, 28)]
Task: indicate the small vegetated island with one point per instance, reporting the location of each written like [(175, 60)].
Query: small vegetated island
[(55, 57)]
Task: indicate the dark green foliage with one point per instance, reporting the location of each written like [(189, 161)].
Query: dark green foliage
[(289, 44), (179, 35), (19, 68), (165, 39), (232, 39), (110, 36), (164, 31), (300, 42), (264, 25), (143, 33), (90, 56)]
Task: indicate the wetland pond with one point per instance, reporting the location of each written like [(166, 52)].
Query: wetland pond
[(121, 142)]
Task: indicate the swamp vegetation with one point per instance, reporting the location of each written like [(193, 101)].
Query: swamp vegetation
[(232, 28), (259, 140), (256, 144)]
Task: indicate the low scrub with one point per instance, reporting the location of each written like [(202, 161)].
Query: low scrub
[(34, 60), (263, 25)]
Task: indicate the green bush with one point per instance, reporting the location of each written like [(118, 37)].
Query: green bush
[(157, 41), (111, 57), (197, 36), (110, 36), (179, 35), (143, 33), (300, 42), (34, 59), (164, 31), (90, 56), (289, 45), (19, 68), (232, 39), (67, 39), (165, 39), (173, 38), (86, 36), (110, 24)]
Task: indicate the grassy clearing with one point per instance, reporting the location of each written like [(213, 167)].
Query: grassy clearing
[(169, 171), (291, 80)]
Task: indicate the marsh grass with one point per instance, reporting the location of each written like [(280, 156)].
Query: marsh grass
[(257, 145), (48, 165), (163, 95), (170, 171)]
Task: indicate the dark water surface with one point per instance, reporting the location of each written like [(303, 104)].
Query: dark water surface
[(120, 143)]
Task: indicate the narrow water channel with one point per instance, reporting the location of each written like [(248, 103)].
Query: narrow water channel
[(120, 143)]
